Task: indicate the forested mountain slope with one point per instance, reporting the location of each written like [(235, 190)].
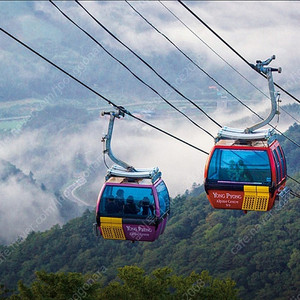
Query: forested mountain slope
[(258, 250)]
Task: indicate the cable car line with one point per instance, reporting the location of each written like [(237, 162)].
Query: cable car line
[(128, 69), (295, 194), (134, 53), (95, 92), (167, 133), (149, 23), (236, 71), (215, 52), (101, 96), (284, 135), (147, 64), (192, 61), (209, 28), (131, 114), (59, 68), (290, 115), (219, 84), (293, 179), (231, 48)]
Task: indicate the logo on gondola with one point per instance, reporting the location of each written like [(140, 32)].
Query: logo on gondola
[(227, 199), (141, 229), (227, 196)]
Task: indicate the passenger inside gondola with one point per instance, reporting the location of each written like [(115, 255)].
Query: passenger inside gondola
[(147, 208), (130, 207), (120, 200), (243, 174), (111, 206), (115, 205), (239, 166)]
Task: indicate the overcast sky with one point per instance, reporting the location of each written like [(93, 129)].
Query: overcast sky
[(257, 29)]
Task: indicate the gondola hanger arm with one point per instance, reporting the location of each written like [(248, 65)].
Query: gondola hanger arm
[(107, 139), (261, 68)]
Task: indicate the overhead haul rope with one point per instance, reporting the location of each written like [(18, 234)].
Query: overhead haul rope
[(290, 115), (208, 74), (106, 99), (210, 48), (147, 64), (293, 179), (295, 194), (128, 69), (108, 31), (231, 48), (101, 96), (191, 60), (224, 60)]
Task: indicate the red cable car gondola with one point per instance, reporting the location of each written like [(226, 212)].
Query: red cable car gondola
[(246, 169), (245, 176), (133, 204)]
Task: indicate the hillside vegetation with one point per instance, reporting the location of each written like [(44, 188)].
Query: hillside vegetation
[(259, 251)]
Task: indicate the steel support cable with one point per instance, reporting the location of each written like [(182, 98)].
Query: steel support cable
[(101, 96), (207, 73), (293, 179), (104, 98), (147, 64), (219, 84), (231, 48), (296, 195), (128, 69), (288, 138), (290, 115), (194, 62), (215, 52)]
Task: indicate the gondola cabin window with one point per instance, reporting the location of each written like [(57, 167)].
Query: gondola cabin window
[(124, 201), (241, 166), (163, 198)]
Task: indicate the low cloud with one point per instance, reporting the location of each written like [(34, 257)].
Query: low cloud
[(25, 208)]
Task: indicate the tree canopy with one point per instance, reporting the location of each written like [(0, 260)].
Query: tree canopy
[(130, 283)]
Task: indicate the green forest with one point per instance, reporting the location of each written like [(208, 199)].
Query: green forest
[(131, 283), (203, 251)]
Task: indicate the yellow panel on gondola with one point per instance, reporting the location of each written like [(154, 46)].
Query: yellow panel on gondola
[(256, 198), (262, 197), (111, 228), (249, 197)]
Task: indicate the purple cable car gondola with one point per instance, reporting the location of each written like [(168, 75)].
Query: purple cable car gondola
[(133, 204), (133, 209)]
